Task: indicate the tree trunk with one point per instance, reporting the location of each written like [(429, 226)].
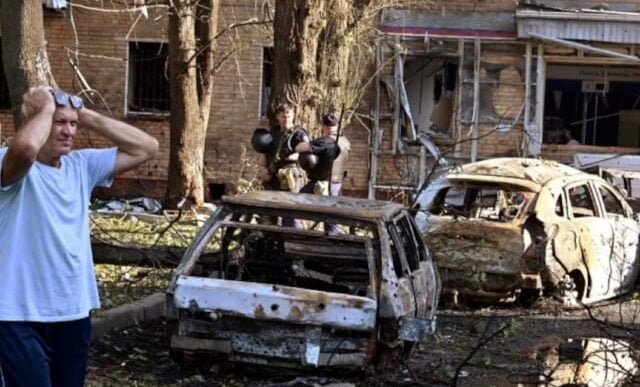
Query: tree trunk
[(313, 42), (192, 26), (24, 50)]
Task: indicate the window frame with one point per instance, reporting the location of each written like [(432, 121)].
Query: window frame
[(3, 77), (594, 200), (620, 201), (128, 88), (263, 103)]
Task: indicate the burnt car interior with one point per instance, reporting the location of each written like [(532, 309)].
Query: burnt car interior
[(265, 253), (490, 202)]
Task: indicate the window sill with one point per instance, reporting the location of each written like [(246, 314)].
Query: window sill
[(152, 116)]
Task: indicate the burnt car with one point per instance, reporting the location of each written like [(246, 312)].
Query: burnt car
[(251, 290), (510, 229)]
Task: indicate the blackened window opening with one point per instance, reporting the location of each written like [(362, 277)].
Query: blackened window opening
[(148, 77), (5, 99)]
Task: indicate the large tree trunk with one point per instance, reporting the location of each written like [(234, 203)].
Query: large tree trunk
[(192, 26), (313, 42), (24, 50)]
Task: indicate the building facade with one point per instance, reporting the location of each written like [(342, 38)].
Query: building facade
[(460, 80)]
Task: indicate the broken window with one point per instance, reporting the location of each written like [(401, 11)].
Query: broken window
[(592, 105), (490, 202), (267, 73), (148, 84), (430, 84), (611, 203), (242, 249), (401, 231), (581, 201), (560, 207), (5, 100)]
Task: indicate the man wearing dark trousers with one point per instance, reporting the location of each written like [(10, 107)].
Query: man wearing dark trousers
[(48, 286)]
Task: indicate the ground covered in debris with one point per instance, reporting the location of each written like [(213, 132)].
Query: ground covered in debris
[(472, 347), (488, 347)]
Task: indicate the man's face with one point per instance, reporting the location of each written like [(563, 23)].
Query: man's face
[(329, 130), (63, 131), (285, 119)]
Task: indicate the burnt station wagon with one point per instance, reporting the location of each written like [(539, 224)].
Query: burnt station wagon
[(253, 291), (509, 228)]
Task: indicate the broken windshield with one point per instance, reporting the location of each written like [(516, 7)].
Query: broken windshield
[(486, 201), (244, 249)]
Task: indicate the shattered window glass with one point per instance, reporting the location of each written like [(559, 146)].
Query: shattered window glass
[(491, 202)]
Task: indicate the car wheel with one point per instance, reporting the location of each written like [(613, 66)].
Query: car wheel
[(387, 359), (528, 297), (190, 362)]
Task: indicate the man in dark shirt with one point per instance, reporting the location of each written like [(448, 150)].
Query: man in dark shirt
[(283, 173), (331, 158)]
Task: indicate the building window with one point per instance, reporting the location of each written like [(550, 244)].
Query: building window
[(267, 74), (592, 105), (5, 99), (148, 80)]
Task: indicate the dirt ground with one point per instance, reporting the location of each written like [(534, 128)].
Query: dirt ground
[(545, 346)]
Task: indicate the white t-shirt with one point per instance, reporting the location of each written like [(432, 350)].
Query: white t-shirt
[(46, 265)]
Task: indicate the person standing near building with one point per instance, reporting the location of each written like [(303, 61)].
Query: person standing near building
[(48, 285), (332, 153), (327, 168), (282, 172)]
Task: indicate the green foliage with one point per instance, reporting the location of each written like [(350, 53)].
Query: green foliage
[(120, 285)]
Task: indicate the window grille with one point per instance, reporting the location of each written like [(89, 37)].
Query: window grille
[(267, 73), (148, 82), (5, 99)]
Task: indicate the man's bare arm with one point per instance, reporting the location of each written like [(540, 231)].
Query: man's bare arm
[(134, 146), (38, 108)]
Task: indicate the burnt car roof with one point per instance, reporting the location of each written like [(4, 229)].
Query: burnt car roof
[(335, 205), (531, 173)]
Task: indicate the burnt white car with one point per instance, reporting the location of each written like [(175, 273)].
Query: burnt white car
[(250, 290), (510, 228)]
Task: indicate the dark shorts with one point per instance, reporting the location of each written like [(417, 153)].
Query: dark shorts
[(37, 354)]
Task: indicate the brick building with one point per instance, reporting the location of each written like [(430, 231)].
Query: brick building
[(475, 79), (456, 78)]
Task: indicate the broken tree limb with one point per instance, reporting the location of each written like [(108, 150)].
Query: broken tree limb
[(135, 255)]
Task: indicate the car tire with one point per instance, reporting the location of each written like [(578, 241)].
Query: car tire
[(528, 297)]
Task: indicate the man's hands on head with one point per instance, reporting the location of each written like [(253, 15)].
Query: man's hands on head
[(38, 108), (37, 100)]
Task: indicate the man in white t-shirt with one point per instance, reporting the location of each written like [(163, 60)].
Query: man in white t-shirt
[(48, 285)]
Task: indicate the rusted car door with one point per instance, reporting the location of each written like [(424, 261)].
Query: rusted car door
[(595, 238), (625, 252), (566, 244), (419, 281)]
